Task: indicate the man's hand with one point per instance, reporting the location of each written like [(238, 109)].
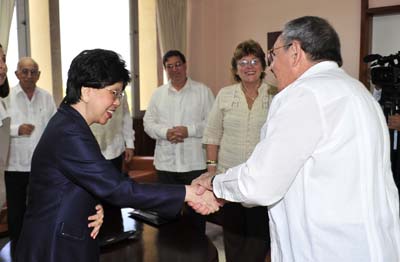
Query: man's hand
[(177, 134), (97, 221), (394, 122), (181, 131), (203, 182), (204, 204), (173, 137), (25, 129), (129, 153)]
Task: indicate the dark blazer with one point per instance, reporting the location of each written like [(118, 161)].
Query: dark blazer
[(68, 177)]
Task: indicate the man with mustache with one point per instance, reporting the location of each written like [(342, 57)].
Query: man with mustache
[(176, 118)]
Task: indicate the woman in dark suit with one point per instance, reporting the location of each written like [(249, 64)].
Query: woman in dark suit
[(69, 175), (95, 221)]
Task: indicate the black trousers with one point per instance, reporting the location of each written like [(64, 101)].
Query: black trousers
[(184, 178), (16, 196), (246, 233)]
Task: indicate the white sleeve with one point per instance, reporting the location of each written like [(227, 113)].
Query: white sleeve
[(127, 125), (151, 121), (292, 133), (197, 129)]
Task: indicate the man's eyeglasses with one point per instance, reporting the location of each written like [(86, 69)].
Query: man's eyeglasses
[(176, 65), (33, 72), (271, 53), (116, 93), (252, 62)]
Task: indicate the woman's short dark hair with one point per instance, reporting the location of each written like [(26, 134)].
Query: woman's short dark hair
[(249, 47), (317, 37), (171, 53), (5, 87), (96, 68)]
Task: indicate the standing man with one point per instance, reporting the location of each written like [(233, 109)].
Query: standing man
[(176, 118), (30, 108), (323, 162)]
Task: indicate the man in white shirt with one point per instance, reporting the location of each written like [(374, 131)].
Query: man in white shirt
[(323, 163), (30, 108), (176, 118)]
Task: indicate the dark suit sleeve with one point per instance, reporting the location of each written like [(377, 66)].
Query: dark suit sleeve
[(81, 162)]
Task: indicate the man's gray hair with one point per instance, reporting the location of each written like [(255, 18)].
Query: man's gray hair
[(317, 37)]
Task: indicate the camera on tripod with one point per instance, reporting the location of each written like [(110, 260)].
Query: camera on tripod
[(385, 70), (385, 75)]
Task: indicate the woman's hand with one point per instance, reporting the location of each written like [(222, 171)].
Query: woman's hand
[(204, 203), (97, 221)]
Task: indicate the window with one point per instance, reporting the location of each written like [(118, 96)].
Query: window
[(94, 24), (114, 25), (12, 51), (148, 57)]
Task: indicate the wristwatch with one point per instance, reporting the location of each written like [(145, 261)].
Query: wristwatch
[(212, 182)]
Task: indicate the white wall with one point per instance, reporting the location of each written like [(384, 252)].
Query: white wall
[(216, 27), (382, 3)]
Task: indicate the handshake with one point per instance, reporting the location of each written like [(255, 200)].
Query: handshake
[(200, 197)]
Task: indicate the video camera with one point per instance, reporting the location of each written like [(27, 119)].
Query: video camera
[(385, 70), (385, 74)]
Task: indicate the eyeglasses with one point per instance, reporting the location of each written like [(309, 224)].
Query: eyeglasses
[(252, 62), (271, 53), (176, 65), (116, 93), (26, 71)]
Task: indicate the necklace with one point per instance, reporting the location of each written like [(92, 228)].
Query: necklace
[(249, 97), (245, 91)]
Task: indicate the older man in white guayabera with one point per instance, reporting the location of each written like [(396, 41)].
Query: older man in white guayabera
[(323, 162), (30, 108)]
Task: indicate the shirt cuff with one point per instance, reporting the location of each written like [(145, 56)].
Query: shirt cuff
[(162, 133), (226, 186), (210, 141), (191, 130), (216, 186), (129, 144), (14, 130)]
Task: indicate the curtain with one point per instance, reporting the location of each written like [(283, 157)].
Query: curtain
[(171, 24), (6, 12)]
